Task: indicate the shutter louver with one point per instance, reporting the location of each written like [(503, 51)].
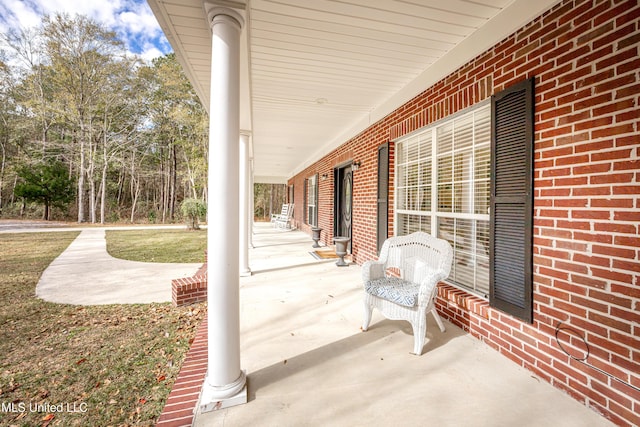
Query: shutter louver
[(316, 195), (306, 198), (512, 201), (383, 195)]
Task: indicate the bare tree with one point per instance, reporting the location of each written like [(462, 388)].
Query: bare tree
[(81, 51), (133, 137)]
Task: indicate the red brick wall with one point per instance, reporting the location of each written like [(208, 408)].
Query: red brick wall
[(190, 290), (585, 60)]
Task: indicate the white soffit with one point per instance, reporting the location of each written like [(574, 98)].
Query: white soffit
[(318, 72)]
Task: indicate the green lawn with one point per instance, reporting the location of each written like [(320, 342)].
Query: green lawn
[(158, 245), (113, 365)]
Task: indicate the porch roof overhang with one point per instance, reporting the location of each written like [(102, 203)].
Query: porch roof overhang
[(316, 73)]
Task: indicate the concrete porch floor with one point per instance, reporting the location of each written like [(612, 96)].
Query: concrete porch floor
[(308, 363)]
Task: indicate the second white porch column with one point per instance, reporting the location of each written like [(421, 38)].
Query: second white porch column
[(252, 201), (225, 381), (245, 204)]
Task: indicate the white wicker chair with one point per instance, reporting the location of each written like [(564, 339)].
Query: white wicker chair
[(422, 261)]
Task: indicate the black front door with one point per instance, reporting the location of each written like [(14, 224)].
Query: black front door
[(343, 199)]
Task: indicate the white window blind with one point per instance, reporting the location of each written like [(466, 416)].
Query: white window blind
[(312, 200), (442, 188)]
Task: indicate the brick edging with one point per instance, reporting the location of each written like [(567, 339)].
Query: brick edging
[(179, 409), (190, 290)]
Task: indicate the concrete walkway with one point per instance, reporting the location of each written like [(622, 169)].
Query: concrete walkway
[(85, 274), (308, 363)]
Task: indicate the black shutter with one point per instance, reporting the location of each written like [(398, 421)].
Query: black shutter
[(383, 195), (511, 259), (304, 202), (315, 202)]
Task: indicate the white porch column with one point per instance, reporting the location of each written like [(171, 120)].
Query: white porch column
[(245, 204), (252, 202), (225, 382)]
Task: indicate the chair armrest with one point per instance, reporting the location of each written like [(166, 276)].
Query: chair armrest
[(372, 270), (428, 286)]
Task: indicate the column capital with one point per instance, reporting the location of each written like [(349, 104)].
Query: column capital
[(229, 8)]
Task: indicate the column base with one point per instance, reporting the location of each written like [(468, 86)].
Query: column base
[(210, 401)]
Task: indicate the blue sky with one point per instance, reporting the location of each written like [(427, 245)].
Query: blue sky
[(132, 20)]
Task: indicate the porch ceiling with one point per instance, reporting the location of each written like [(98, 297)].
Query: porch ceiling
[(317, 72)]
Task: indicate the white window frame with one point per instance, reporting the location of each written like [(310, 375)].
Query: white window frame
[(312, 198), (480, 289)]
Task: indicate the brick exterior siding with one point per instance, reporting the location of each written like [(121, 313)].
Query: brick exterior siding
[(585, 58)]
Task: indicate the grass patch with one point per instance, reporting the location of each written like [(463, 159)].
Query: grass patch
[(114, 365), (157, 245)]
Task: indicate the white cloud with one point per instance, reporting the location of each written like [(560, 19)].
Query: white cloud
[(132, 20), (150, 54), (17, 12)]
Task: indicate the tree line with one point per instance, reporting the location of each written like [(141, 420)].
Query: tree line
[(90, 133)]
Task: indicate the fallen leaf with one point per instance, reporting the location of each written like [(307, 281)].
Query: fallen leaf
[(113, 402), (48, 417), (143, 401), (161, 378), (81, 361)]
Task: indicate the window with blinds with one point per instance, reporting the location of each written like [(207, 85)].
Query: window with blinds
[(312, 200), (443, 188)]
